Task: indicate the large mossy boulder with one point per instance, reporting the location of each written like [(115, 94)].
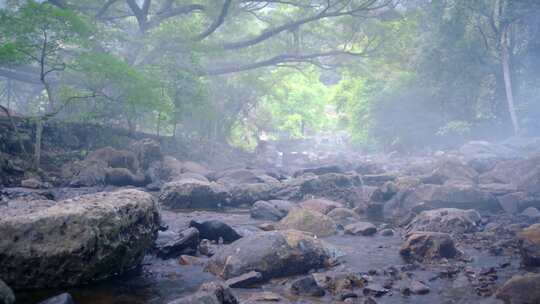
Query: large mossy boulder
[(273, 254), (75, 241)]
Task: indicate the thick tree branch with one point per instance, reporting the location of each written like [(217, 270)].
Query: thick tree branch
[(172, 12), (219, 21), (328, 12), (279, 59)]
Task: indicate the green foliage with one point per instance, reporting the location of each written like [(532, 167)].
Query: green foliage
[(37, 29), (299, 104)]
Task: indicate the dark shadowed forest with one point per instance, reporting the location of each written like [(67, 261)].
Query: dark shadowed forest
[(279, 151)]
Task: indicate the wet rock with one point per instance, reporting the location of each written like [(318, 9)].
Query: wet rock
[(384, 193), (517, 202), (428, 246), (498, 189), (375, 290), (215, 230), (320, 170), (78, 240), (343, 216), (147, 151), (451, 170), (210, 293), (306, 286), (511, 171), (245, 176), (123, 177), (530, 182), (248, 194), (170, 244), (89, 174), (320, 205), (265, 297), (25, 194), (265, 211), (378, 179), (531, 213), (387, 232), (486, 150), (64, 298), (361, 228), (190, 260), (207, 248), (32, 183), (448, 220), (191, 193), (375, 210), (418, 288), (166, 170), (339, 282), (368, 167), (193, 167), (309, 221), (267, 227), (343, 188), (529, 245), (190, 175), (245, 280), (115, 158), (425, 197), (521, 289), (6, 294), (271, 254)]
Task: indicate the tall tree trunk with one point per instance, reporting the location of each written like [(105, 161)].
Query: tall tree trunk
[(37, 144), (505, 62)]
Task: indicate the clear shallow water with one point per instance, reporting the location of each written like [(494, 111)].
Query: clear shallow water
[(159, 281)]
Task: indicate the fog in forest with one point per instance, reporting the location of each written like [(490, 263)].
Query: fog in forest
[(280, 151)]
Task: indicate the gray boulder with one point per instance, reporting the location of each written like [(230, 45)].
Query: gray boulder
[(425, 197), (451, 170), (6, 294), (76, 241), (170, 244), (192, 193), (123, 177), (270, 253), (166, 170), (265, 211), (516, 202), (64, 298), (521, 289), (147, 151), (342, 188), (115, 158), (343, 216), (448, 220), (529, 245), (210, 293), (428, 246), (320, 205), (308, 221), (361, 228)]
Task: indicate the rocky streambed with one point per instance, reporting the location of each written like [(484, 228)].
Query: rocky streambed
[(456, 227)]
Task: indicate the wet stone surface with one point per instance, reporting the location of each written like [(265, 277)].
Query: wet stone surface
[(385, 276)]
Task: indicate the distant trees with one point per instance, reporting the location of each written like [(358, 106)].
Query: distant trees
[(220, 69)]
